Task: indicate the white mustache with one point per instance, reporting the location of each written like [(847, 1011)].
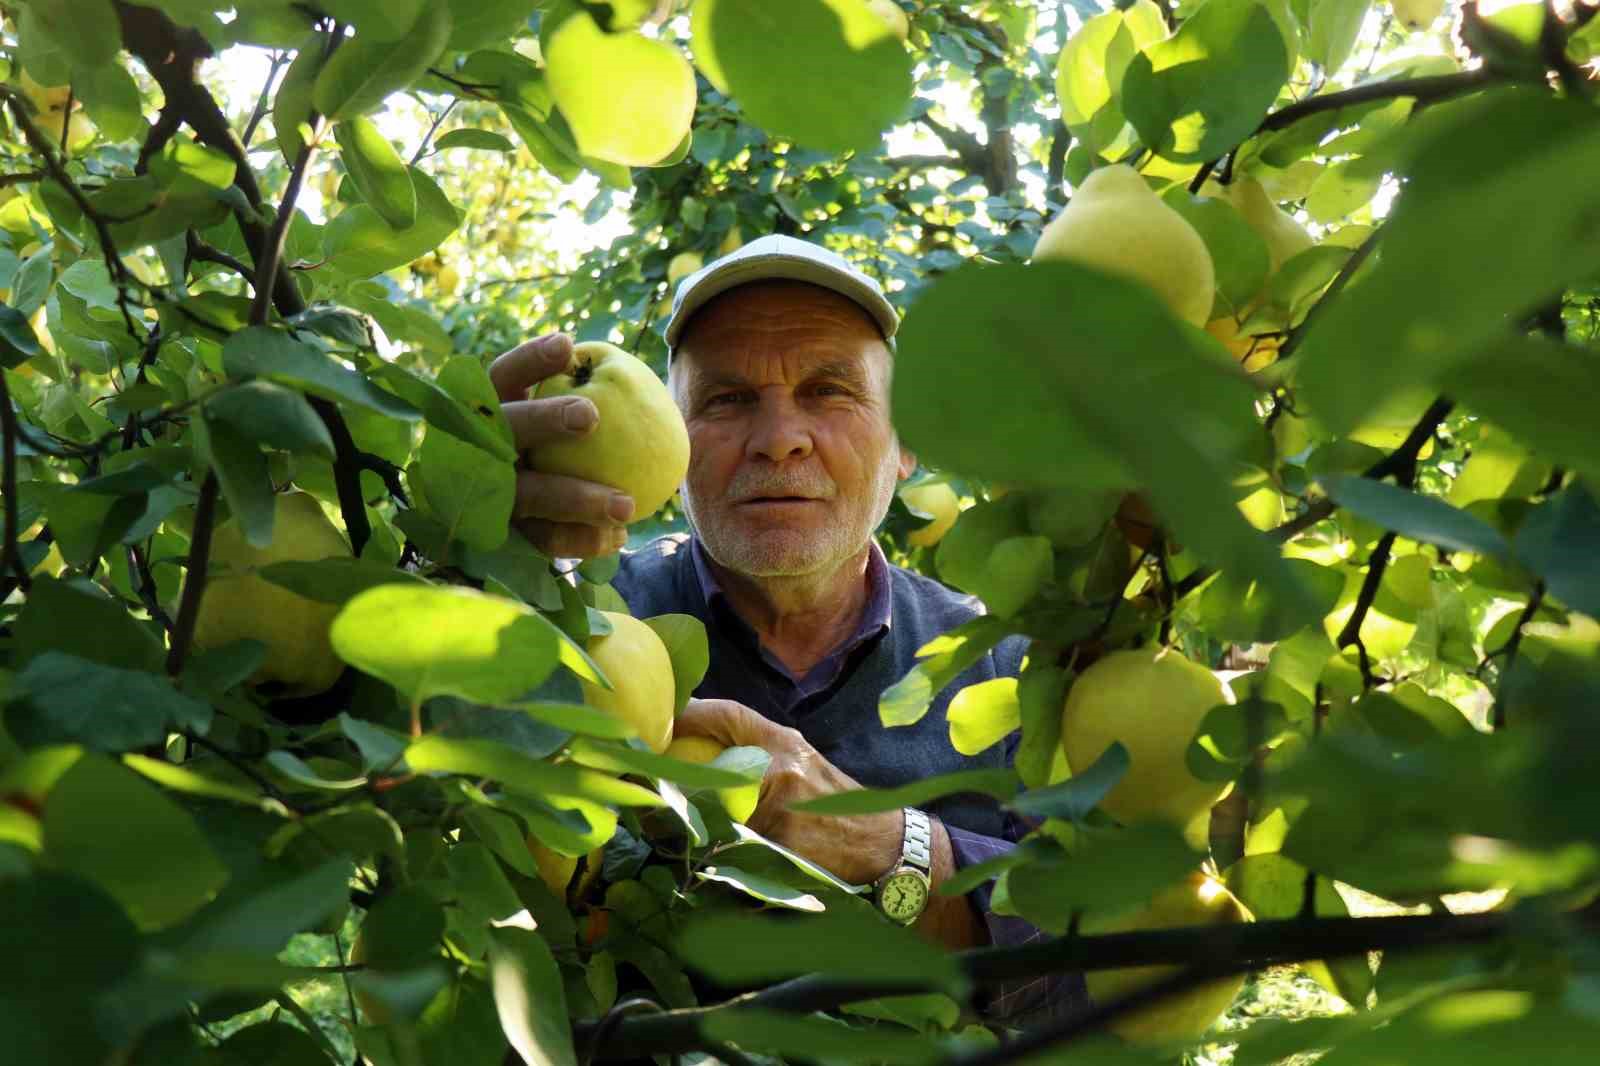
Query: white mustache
[(754, 486)]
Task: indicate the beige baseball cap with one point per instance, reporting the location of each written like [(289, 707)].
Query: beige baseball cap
[(767, 258)]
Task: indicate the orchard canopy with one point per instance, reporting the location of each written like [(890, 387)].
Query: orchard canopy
[(256, 258)]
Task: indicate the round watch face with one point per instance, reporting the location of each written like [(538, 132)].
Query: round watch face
[(903, 896)]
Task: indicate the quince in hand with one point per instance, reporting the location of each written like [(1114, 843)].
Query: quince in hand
[(640, 445), (739, 802), (1116, 223), (1152, 702), (1197, 900), (238, 605), (643, 693)]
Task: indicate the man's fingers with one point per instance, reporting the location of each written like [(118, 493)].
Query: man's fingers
[(536, 422), (728, 722), (515, 372), (558, 498), (571, 540)]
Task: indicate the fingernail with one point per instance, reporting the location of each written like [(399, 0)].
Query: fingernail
[(620, 508), (579, 416)]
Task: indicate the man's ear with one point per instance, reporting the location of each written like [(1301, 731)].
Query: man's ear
[(908, 463)]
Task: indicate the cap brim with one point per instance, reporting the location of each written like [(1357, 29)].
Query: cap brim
[(730, 273)]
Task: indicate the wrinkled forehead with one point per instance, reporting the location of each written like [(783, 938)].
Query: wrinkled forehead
[(777, 330)]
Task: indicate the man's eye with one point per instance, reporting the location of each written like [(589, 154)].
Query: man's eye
[(723, 399)]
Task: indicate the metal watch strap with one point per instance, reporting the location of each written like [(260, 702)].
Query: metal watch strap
[(917, 847)]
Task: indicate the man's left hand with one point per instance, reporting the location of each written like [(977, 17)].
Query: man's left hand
[(859, 848)]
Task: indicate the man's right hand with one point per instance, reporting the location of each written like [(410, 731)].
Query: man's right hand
[(561, 516)]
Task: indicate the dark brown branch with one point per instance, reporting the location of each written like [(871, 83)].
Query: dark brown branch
[(194, 578), (1227, 949), (346, 473), (21, 177), (1424, 90), (12, 557), (270, 257), (1497, 714), (199, 250), (260, 110)]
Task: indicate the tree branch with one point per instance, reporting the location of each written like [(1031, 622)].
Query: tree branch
[(194, 581), (1227, 949), (12, 557), (1424, 90)]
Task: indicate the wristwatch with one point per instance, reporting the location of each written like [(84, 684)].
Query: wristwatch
[(903, 891)]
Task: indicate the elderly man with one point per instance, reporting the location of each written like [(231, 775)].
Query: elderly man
[(780, 363)]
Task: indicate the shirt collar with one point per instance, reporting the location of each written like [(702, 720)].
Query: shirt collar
[(875, 615)]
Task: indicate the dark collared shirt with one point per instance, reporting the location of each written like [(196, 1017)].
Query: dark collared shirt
[(766, 684)]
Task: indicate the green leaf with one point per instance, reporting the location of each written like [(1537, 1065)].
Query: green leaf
[(404, 929), (1426, 519), (73, 700), (620, 759), (362, 72), (262, 922), (530, 999), (1089, 366), (1558, 542), (828, 74), (272, 1043), (472, 498), (272, 415), (190, 782), (1000, 784), (378, 19), (1231, 734), (429, 641), (360, 242), (17, 341), (112, 100), (243, 475), (291, 106), (274, 355), (380, 175), (1237, 250), (106, 823), (1332, 30), (1544, 403), (1091, 67), (1448, 277), (1208, 86), (335, 580), (685, 639), (1041, 694), (439, 408), (71, 619), (984, 714), (765, 889), (939, 663), (1110, 872), (482, 23), (1074, 798), (67, 23), (1015, 573), (1244, 611), (295, 769), (816, 1037), (628, 98), (482, 140), (521, 774), (739, 947)]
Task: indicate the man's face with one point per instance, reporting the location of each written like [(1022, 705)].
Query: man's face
[(792, 459)]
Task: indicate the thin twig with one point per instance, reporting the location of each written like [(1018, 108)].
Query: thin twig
[(260, 110), (1497, 714), (1425, 90), (427, 138)]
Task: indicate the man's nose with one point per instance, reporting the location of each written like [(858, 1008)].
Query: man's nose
[(781, 431)]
